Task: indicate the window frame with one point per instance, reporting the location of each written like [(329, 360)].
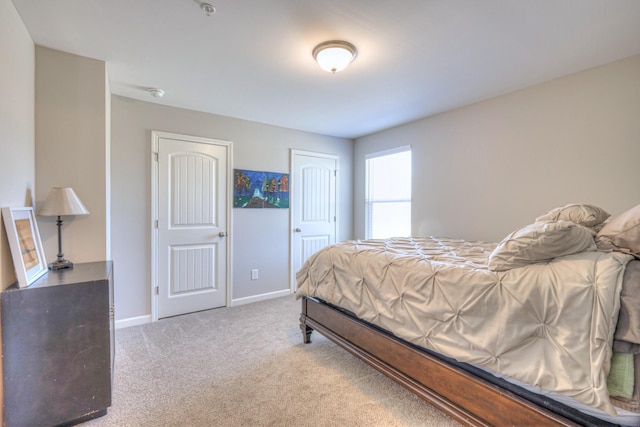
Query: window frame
[(368, 224)]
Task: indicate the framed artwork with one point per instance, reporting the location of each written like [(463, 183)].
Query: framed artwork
[(25, 244), (254, 189)]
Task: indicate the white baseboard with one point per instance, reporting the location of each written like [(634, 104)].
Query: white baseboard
[(142, 320), (262, 297), (133, 321)]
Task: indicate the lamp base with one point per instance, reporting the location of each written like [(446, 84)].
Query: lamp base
[(59, 265)]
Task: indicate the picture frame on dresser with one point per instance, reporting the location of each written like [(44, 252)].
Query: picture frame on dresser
[(25, 244)]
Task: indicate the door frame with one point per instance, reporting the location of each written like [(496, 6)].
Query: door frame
[(155, 145), (293, 183)]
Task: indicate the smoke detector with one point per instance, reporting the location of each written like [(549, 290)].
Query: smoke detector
[(208, 9), (156, 93)]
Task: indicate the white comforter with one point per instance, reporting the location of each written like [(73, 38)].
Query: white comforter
[(549, 324)]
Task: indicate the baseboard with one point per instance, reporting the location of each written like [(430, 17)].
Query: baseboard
[(142, 320), (261, 297), (133, 321)]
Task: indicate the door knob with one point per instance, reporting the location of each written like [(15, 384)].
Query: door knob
[(222, 234), (297, 230)]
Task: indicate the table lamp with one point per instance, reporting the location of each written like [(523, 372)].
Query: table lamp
[(62, 201)]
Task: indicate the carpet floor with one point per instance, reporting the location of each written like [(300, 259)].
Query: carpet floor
[(247, 366)]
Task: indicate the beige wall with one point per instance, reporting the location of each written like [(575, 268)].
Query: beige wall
[(17, 167), (260, 237), (72, 122), (483, 170)]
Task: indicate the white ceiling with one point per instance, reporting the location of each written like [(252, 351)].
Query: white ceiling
[(252, 58)]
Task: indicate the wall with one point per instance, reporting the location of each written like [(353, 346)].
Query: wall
[(260, 238), (483, 170), (72, 122), (17, 167), (17, 141)]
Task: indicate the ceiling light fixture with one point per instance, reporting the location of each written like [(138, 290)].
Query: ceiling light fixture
[(208, 9), (334, 55), (156, 93)]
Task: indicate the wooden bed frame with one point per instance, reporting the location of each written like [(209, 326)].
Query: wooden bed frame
[(466, 397)]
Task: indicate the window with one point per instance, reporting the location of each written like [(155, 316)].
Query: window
[(388, 194)]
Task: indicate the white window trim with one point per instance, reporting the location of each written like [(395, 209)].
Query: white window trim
[(388, 152), (367, 200)]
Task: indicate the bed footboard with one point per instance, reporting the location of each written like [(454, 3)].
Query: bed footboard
[(465, 397)]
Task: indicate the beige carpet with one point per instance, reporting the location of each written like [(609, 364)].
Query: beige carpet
[(247, 366)]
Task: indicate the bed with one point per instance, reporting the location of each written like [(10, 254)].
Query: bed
[(541, 328)]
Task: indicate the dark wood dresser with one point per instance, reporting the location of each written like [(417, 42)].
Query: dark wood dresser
[(58, 347)]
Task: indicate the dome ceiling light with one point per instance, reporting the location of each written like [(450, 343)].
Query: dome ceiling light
[(334, 55)]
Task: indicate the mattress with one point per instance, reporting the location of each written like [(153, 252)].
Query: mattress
[(550, 325)]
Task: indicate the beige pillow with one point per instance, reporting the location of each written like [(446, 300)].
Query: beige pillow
[(540, 242), (587, 215), (622, 233)]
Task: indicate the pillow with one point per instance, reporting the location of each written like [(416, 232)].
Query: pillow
[(587, 215), (540, 242), (622, 233)]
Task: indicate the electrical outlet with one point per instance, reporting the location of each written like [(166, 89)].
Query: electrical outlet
[(254, 274)]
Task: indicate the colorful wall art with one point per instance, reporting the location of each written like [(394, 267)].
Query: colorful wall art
[(253, 189)]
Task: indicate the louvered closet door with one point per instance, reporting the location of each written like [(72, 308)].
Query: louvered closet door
[(314, 205), (191, 226)]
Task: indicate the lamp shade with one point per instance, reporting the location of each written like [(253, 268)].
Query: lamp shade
[(62, 201), (334, 55)]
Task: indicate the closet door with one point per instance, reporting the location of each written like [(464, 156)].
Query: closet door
[(192, 221), (314, 213)]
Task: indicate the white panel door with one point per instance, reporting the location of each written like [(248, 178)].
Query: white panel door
[(192, 226), (313, 205)]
